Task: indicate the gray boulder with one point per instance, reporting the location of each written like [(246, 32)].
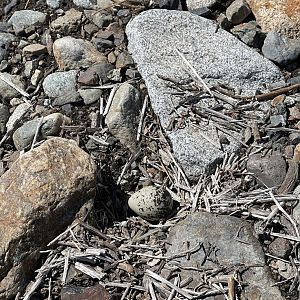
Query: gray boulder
[(216, 56), (280, 48), (225, 241)]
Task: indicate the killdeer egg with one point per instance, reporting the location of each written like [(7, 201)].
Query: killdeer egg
[(151, 203)]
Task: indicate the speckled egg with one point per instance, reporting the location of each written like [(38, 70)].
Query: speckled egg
[(151, 203)]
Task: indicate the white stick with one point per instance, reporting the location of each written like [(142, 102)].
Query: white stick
[(194, 71)]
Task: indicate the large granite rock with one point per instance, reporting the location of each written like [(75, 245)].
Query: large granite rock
[(225, 241), (216, 56), (278, 15), (39, 196)]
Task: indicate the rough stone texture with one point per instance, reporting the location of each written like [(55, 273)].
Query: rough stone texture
[(4, 116), (39, 196), (5, 40), (71, 53), (17, 115), (51, 126), (122, 118), (269, 170), (280, 247), (238, 11), (196, 4), (96, 292), (227, 241), (250, 34), (124, 60), (151, 203), (278, 15), (281, 49), (6, 91), (94, 74), (216, 56), (53, 3), (88, 4), (62, 87), (22, 19), (90, 96), (35, 49), (68, 22)]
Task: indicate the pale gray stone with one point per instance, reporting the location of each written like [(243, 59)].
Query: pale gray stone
[(122, 118), (53, 3), (196, 4), (90, 96), (60, 83), (281, 49), (21, 19), (216, 56), (17, 115), (269, 170), (50, 126), (71, 53)]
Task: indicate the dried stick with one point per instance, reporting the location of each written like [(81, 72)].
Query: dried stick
[(37, 131), (142, 118), (168, 283), (194, 71), (285, 213), (273, 94), (62, 234), (21, 91), (110, 99), (173, 292), (151, 291)]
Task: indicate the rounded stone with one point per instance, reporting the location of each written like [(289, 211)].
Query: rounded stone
[(151, 203)]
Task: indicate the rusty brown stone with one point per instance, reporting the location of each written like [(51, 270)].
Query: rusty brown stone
[(39, 197), (278, 15)]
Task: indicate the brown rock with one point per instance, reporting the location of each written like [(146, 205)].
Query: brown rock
[(69, 22), (280, 247), (39, 196), (269, 170), (71, 53), (278, 15)]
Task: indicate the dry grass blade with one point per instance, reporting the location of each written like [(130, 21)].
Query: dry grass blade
[(194, 72)]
